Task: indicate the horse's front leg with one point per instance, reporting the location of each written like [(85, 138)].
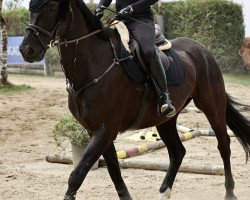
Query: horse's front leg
[(99, 142), (110, 157)]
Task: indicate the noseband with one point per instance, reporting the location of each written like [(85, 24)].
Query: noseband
[(37, 30), (55, 40)]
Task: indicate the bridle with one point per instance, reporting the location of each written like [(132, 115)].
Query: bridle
[(37, 30), (51, 35), (54, 40)]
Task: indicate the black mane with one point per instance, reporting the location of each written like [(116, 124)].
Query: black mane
[(92, 21)]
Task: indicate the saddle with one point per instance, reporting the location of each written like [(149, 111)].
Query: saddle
[(136, 68)]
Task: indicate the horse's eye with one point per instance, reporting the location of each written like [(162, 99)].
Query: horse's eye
[(53, 6)]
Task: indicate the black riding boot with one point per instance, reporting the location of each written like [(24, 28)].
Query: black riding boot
[(157, 70)]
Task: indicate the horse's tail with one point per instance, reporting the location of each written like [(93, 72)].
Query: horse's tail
[(239, 124)]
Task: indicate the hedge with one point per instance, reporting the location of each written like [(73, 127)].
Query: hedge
[(16, 21), (216, 24)]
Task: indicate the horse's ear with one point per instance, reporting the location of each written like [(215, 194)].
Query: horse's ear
[(64, 7)]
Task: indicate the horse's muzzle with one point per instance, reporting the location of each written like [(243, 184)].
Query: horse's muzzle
[(30, 54)]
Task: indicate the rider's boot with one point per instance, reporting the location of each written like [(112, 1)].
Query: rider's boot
[(165, 106)]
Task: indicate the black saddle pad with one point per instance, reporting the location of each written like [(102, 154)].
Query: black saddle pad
[(175, 73)]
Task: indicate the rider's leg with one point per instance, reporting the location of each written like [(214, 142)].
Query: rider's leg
[(158, 73), (145, 36)]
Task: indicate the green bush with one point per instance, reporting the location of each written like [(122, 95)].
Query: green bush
[(69, 129), (217, 24), (52, 57), (108, 15), (16, 21)]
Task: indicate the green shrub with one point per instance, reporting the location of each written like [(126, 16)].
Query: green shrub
[(16, 21), (52, 57), (217, 24), (69, 129)]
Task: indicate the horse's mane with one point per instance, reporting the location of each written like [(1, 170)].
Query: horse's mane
[(92, 21)]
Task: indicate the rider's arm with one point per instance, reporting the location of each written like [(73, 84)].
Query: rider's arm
[(105, 3), (141, 5)]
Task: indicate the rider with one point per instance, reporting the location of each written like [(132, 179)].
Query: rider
[(145, 36)]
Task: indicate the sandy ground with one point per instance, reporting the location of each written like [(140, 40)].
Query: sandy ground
[(27, 118)]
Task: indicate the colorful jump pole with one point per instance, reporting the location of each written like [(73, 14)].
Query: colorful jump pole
[(140, 149), (187, 133), (187, 168), (210, 132), (144, 148)]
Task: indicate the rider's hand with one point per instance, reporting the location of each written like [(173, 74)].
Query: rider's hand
[(126, 12), (98, 13)]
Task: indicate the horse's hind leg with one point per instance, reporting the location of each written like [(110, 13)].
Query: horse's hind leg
[(225, 152), (110, 157), (176, 150), (215, 111)]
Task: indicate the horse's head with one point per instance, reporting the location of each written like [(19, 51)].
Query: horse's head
[(49, 19), (245, 52)]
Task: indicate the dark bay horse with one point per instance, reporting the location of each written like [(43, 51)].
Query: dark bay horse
[(245, 52), (105, 101)]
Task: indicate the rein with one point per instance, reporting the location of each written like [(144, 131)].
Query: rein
[(116, 61), (66, 42), (37, 30), (133, 19)]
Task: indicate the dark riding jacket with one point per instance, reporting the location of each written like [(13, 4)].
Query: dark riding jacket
[(141, 8), (141, 11)]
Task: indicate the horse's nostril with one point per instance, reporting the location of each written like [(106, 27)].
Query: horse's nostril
[(29, 51)]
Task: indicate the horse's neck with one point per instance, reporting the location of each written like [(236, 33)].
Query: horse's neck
[(86, 54)]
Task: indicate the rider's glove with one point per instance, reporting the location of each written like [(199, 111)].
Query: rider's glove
[(126, 12), (98, 13)]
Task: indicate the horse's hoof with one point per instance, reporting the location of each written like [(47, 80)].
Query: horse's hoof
[(230, 197), (126, 198), (166, 195), (69, 197)]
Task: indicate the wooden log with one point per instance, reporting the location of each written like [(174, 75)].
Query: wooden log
[(56, 158), (186, 168), (147, 165)]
